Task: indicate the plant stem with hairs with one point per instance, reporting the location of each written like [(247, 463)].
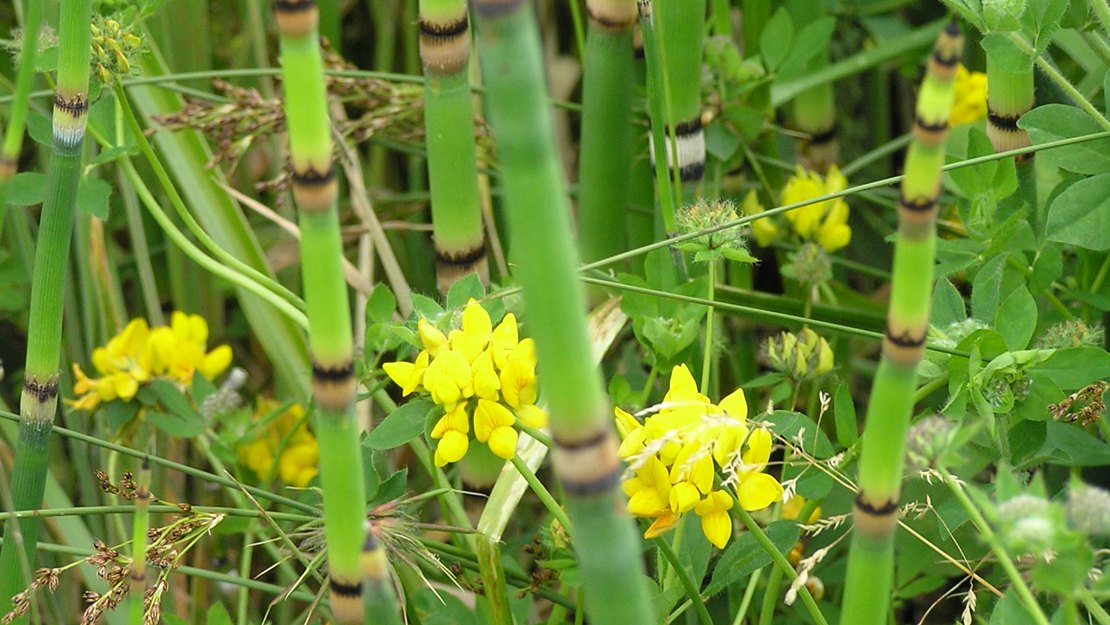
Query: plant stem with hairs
[(39, 400), (331, 346), (606, 145), (585, 447), (875, 514), (460, 243)]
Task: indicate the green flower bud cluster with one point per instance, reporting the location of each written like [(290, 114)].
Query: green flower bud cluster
[(1003, 15), (1073, 333), (809, 265), (800, 356), (726, 243), (1030, 524), (113, 45), (928, 441), (1088, 509)]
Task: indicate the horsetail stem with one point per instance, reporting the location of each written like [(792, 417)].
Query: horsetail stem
[(330, 337), (680, 30), (585, 450), (460, 243), (17, 118), (606, 145), (814, 110), (39, 399), (1009, 96), (378, 599), (875, 514), (139, 543)]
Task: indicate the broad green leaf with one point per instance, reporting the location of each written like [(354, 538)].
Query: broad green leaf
[(1047, 267), (1076, 367), (92, 197), (1041, 20), (380, 305), (218, 615), (844, 411), (467, 287), (986, 288), (400, 426), (948, 304), (27, 189), (814, 38), (1070, 446), (1009, 610), (1025, 437), (1079, 216), (745, 555), (180, 417), (41, 129), (113, 153), (790, 425), (1016, 319), (776, 39), (1052, 122), (720, 141), (442, 608)]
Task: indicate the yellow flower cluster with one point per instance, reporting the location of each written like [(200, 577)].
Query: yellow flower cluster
[(297, 462), (675, 453), (824, 222), (140, 353), (478, 374), (970, 104)]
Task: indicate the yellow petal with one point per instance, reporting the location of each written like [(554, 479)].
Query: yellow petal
[(504, 340), (532, 416), (758, 490), (502, 442), (735, 405), (759, 449), (451, 448), (488, 416), (684, 496), (486, 382), (717, 527), (433, 340), (216, 362), (661, 524), (648, 502)]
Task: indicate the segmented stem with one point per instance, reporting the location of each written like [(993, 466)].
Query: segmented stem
[(326, 299), (39, 399), (875, 514)]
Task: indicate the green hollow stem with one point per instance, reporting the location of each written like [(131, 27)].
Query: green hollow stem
[(584, 444), (39, 399), (657, 104), (457, 229), (139, 525), (315, 192), (17, 118), (869, 581), (606, 145)]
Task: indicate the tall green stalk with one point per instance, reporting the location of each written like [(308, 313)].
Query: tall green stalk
[(13, 135), (140, 524), (875, 515), (814, 110), (1009, 96), (606, 144), (584, 450), (330, 339), (679, 32), (39, 400), (460, 242)]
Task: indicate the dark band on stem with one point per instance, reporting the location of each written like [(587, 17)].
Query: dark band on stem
[(341, 373), (600, 485), (599, 438), (76, 106), (314, 190), (918, 205), (444, 30), (312, 178), (8, 166), (42, 391), (824, 136), (610, 22), (905, 340), (296, 18), (1005, 123), (887, 508), (684, 129), (293, 6), (345, 590), (461, 258), (588, 466), (334, 386)]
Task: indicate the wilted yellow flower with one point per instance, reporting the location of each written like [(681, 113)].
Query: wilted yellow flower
[(824, 222), (286, 438), (140, 353), (970, 104), (476, 371), (678, 450)]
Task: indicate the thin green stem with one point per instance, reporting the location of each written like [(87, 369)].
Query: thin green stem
[(1050, 70), (685, 579), (707, 357), (542, 493), (1094, 608), (770, 597), (1004, 559)]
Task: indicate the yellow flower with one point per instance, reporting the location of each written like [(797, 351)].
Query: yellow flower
[(715, 521), (140, 353), (825, 222), (678, 450), (475, 371), (296, 462), (764, 230), (970, 104)]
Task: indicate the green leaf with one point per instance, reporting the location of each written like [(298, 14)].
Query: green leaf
[(745, 555), (776, 39), (1053, 122), (92, 197), (844, 410), (41, 129), (720, 142), (789, 425), (986, 288), (1068, 445), (426, 307), (400, 426), (113, 153), (467, 287), (1079, 215), (1016, 319), (442, 608), (1047, 267), (27, 189), (217, 614), (380, 305), (1026, 437), (1005, 52), (117, 413), (1009, 610), (1076, 367), (815, 36), (180, 417), (1041, 20), (948, 304)]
